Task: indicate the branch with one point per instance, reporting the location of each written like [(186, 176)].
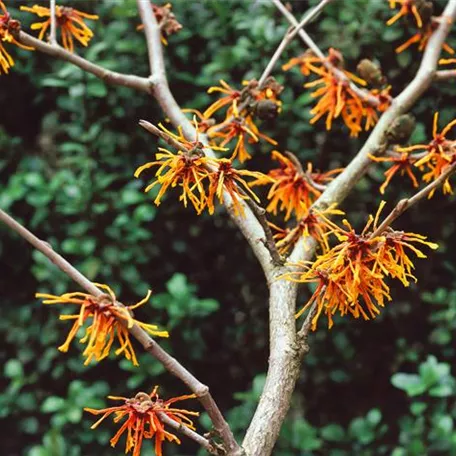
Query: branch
[(444, 75), (151, 128), (362, 93), (407, 203), (153, 39), (108, 76), (53, 32), (260, 214), (149, 344), (289, 37), (200, 440)]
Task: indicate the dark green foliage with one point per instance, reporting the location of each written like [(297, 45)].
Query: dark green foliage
[(69, 146)]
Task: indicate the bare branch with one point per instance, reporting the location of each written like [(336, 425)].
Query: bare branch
[(289, 37), (283, 370), (53, 32), (153, 38), (184, 430), (445, 75), (149, 344), (108, 76), (260, 214), (407, 203), (151, 128)]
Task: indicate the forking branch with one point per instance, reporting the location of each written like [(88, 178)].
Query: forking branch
[(171, 364)]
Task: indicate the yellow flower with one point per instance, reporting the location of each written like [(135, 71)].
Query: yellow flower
[(108, 321), (6, 25), (421, 38), (242, 129), (70, 21), (227, 178), (437, 154), (400, 163), (408, 7), (350, 277), (143, 419), (230, 95)]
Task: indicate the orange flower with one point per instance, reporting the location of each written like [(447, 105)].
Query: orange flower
[(292, 190), (437, 155), (335, 96), (408, 7), (231, 95), (109, 320), (6, 25), (422, 37), (241, 128), (185, 169), (392, 258), (231, 180), (70, 21), (401, 163), (351, 276), (306, 63), (315, 224), (144, 419)]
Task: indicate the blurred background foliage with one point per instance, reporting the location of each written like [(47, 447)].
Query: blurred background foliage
[(69, 146)]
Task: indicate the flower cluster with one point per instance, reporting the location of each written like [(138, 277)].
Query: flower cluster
[(425, 22), (7, 25), (315, 223), (201, 178), (350, 277), (144, 419), (337, 94), (70, 21), (109, 320), (243, 108), (166, 20), (433, 158), (293, 190)]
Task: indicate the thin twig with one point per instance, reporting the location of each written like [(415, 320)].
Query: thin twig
[(291, 33), (111, 77), (53, 31), (260, 214), (362, 93), (445, 75), (407, 203), (161, 134), (289, 37), (149, 344), (184, 430), (153, 38)]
